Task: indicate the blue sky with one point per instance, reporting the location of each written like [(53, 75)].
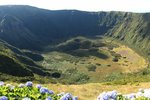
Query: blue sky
[(86, 5)]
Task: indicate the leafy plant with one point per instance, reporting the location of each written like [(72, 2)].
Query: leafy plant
[(91, 68), (29, 92)]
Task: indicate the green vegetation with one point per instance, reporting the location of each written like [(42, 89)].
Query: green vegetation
[(73, 76), (73, 46), (49, 28), (33, 56), (16, 66), (29, 92), (91, 68), (81, 65), (132, 78), (76, 66)]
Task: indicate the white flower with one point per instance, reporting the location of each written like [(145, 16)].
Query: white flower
[(8, 85), (139, 94), (75, 98), (26, 98), (108, 95), (141, 90), (103, 96), (112, 94), (130, 96), (3, 98), (11, 87), (38, 86), (61, 94), (29, 84), (21, 85), (48, 98), (146, 94), (43, 90), (1, 83)]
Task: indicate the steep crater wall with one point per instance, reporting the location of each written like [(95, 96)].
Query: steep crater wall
[(39, 27)]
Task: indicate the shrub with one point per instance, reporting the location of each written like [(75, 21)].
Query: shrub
[(115, 59), (27, 91), (91, 68), (56, 75)]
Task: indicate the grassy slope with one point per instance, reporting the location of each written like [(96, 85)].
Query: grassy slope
[(80, 59), (134, 31), (15, 64), (9, 63)]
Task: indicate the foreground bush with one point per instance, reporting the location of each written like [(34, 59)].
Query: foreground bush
[(114, 95), (29, 92)]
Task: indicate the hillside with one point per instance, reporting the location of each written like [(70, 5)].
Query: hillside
[(39, 27), (134, 30), (51, 26), (16, 65), (13, 31), (71, 46)]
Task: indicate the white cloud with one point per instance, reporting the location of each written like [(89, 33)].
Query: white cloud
[(87, 5)]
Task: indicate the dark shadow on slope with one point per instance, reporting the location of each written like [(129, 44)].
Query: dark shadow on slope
[(81, 47), (12, 67), (87, 53)]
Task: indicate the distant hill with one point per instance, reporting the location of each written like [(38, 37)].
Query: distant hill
[(43, 27)]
